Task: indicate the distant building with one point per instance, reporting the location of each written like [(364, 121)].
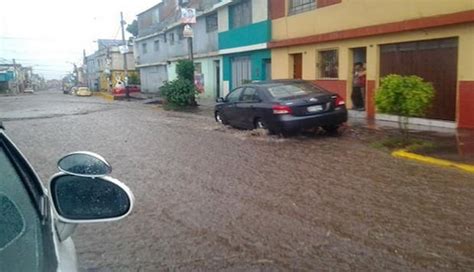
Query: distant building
[(105, 67)]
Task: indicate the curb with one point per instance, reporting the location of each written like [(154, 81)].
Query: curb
[(433, 161), (105, 95)]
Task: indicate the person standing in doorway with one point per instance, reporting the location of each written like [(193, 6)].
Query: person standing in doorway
[(356, 87), (362, 81)]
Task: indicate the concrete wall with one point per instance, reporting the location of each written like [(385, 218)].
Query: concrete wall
[(152, 78)]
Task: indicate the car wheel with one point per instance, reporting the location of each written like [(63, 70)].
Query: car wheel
[(220, 119), (331, 129)]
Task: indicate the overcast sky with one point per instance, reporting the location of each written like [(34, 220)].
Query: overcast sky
[(48, 34)]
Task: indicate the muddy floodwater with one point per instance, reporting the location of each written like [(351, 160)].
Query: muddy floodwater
[(213, 198)]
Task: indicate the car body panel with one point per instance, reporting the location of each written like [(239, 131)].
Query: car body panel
[(63, 255), (309, 110), (83, 91)]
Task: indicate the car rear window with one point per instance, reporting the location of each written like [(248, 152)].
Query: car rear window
[(292, 90)]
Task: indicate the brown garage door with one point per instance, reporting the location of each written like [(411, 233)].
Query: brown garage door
[(433, 60)]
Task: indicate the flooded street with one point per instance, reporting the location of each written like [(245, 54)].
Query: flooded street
[(215, 198)]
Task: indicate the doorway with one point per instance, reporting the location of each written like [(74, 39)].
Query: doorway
[(241, 71), (268, 69), (358, 78), (217, 70), (297, 66)]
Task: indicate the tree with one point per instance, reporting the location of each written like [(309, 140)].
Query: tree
[(404, 96), (133, 28), (134, 79), (181, 91)]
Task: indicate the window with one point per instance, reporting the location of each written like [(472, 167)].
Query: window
[(240, 14), (144, 48), (298, 6), (164, 38), (250, 95), (328, 64), (281, 91), (156, 45), (234, 95), (172, 38), (211, 22), (197, 68), (20, 225)]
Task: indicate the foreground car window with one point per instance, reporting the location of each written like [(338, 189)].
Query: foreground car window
[(292, 90), (20, 226)]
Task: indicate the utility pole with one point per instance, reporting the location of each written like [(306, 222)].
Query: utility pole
[(122, 23), (15, 74), (191, 50)]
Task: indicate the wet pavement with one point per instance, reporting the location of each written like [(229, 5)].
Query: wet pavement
[(214, 198)]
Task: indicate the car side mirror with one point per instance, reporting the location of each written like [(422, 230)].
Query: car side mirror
[(79, 199), (84, 163), (220, 100), (82, 192)]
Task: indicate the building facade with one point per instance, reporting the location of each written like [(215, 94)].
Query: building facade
[(105, 67), (244, 33), (160, 45), (321, 40)]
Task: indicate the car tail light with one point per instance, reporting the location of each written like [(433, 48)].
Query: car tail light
[(281, 109), (339, 101)]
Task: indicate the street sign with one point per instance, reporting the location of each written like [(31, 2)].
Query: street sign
[(188, 15), (123, 49), (188, 31)]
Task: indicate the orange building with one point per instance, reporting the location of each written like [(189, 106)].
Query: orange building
[(321, 40)]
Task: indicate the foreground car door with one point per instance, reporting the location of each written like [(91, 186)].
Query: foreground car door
[(230, 108), (26, 228), (248, 108)]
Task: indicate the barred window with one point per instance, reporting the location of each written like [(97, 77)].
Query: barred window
[(329, 64), (156, 45), (298, 6)]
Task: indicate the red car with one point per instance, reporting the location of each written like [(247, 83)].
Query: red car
[(121, 89)]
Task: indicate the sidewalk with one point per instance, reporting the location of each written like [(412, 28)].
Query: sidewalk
[(453, 145)]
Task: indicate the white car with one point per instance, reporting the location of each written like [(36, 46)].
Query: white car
[(36, 224)]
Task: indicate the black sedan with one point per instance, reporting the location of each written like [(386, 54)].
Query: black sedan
[(281, 106)]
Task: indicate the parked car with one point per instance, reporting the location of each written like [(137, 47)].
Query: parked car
[(83, 91), (120, 89), (29, 90), (281, 106), (36, 224), (73, 90)]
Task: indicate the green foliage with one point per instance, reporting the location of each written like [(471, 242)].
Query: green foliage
[(412, 145), (133, 28), (134, 79), (179, 92), (185, 70), (405, 96)]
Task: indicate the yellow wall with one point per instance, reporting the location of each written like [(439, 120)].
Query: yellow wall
[(359, 13), (282, 64)]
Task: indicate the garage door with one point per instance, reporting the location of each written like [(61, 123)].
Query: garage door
[(241, 70), (433, 60)]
